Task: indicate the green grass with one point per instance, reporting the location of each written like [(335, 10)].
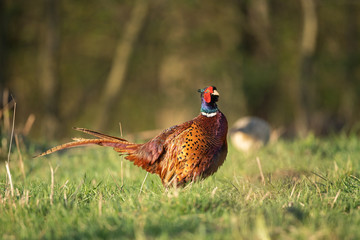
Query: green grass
[(312, 191)]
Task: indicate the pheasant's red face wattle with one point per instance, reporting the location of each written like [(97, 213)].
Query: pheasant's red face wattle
[(207, 94)]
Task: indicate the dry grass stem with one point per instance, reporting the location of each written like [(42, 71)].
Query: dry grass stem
[(27, 197), (24, 200), (261, 171), (335, 199), (120, 128), (247, 198), (65, 197), (298, 196), (142, 185), (12, 133), (10, 180), (28, 124), (8, 158), (22, 169), (52, 183), (293, 190), (64, 185), (213, 192)]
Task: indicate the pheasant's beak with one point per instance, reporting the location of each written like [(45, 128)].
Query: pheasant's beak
[(215, 93)]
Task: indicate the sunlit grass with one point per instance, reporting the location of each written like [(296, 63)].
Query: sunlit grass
[(312, 189)]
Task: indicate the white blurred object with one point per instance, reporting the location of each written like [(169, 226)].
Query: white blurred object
[(250, 133)]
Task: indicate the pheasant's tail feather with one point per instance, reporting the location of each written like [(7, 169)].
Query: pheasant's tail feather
[(116, 144), (98, 134)]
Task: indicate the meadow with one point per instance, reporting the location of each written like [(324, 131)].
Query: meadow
[(300, 189)]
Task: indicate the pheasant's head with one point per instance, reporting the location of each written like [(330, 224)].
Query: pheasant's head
[(209, 97)]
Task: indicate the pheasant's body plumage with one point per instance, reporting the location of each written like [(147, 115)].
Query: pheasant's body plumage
[(180, 154)]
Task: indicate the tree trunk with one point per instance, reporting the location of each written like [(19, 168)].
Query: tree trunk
[(259, 23), (352, 63), (120, 62), (49, 57), (3, 49), (308, 44)]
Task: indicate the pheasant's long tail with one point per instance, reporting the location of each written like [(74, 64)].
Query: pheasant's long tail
[(119, 144), (98, 134)]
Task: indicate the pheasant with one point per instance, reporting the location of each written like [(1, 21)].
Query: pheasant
[(180, 154)]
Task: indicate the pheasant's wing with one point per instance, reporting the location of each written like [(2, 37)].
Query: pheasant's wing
[(149, 154)]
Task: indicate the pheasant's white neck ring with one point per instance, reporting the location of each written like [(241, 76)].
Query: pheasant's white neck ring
[(209, 114)]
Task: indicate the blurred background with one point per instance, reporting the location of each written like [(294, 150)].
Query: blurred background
[(94, 64)]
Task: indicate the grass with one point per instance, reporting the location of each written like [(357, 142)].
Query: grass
[(311, 191)]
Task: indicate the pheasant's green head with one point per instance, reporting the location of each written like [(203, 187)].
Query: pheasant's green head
[(209, 97)]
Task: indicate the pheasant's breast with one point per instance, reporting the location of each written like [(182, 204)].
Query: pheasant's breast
[(194, 153)]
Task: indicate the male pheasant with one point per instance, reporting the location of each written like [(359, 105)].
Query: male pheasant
[(180, 154)]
